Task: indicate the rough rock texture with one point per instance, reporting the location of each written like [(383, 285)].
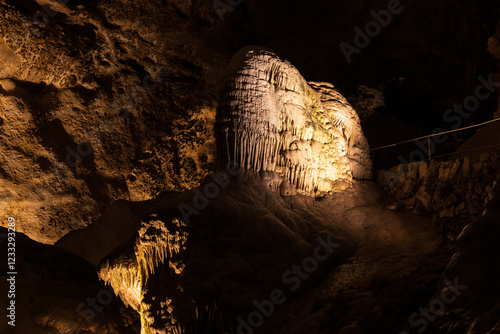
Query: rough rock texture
[(346, 119), (183, 270), (453, 190), (269, 119), (65, 84), (87, 77), (109, 100), (52, 292), (202, 276), (366, 100), (476, 267), (202, 273)]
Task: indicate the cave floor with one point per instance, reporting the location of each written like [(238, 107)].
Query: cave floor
[(395, 271)]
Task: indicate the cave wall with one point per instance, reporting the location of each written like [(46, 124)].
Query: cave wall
[(108, 100), (116, 100), (452, 192), (56, 291)]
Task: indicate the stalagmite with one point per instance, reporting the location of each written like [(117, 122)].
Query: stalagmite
[(270, 119), (158, 244), (182, 276)]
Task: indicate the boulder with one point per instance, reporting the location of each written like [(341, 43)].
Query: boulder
[(460, 209), (449, 212), (466, 166), (450, 200)]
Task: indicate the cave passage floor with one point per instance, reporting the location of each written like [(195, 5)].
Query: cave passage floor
[(395, 271)]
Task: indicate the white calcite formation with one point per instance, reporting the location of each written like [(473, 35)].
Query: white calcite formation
[(157, 245), (186, 276), (347, 121), (199, 277), (270, 119)]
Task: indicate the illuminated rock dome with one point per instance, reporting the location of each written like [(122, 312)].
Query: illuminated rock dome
[(269, 119)]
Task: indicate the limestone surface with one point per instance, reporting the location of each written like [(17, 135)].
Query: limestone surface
[(270, 119)]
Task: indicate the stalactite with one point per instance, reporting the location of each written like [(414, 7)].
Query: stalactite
[(274, 121), (271, 121), (157, 246)]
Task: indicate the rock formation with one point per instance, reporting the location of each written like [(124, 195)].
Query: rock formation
[(69, 82), (198, 260), (453, 192), (346, 119), (475, 268), (202, 276), (58, 292), (101, 104), (270, 119), (269, 122), (106, 118)]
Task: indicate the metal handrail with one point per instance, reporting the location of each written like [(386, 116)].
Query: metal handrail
[(435, 134)]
